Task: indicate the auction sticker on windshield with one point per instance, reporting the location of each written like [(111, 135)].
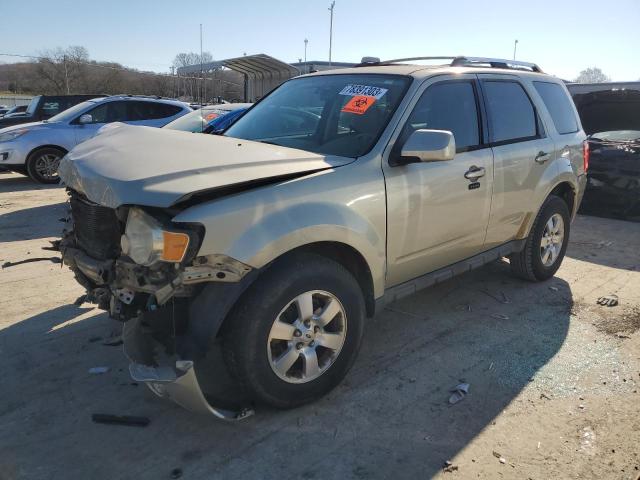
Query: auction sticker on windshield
[(359, 90), (359, 104)]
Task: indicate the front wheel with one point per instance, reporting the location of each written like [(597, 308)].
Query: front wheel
[(296, 332), (42, 165), (546, 244)]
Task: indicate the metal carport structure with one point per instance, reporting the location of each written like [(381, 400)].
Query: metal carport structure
[(262, 73)]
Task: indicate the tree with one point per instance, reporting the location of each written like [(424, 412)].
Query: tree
[(63, 70), (592, 75), (191, 58)]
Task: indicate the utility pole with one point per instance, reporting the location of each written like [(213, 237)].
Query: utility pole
[(333, 4), (305, 55), (66, 73), (201, 70), (515, 46)]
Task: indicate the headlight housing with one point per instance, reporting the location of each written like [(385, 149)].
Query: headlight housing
[(145, 240), (13, 134)]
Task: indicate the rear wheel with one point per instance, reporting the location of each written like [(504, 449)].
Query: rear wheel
[(42, 165), (296, 332), (546, 244)]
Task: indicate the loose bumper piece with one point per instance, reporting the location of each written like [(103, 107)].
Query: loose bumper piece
[(181, 386)]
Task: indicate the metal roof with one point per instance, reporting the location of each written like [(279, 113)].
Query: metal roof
[(260, 65)]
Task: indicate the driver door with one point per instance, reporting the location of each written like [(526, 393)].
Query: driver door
[(435, 215), (102, 114)]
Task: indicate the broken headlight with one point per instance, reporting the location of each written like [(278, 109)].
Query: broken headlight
[(145, 240)]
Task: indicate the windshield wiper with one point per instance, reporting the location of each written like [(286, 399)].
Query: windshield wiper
[(269, 143)]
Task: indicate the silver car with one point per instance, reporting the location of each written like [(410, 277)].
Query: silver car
[(35, 149), (271, 246)]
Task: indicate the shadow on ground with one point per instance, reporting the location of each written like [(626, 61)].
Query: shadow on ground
[(613, 243), (390, 418), (12, 182)]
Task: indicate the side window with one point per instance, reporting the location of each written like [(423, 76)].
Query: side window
[(447, 106), (109, 112), (151, 110), (559, 106), (511, 113), (51, 107)]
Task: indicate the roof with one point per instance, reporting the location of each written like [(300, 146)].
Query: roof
[(260, 65)]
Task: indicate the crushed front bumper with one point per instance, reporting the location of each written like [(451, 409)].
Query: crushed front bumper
[(169, 376)]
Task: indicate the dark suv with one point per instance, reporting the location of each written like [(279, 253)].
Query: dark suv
[(44, 107)]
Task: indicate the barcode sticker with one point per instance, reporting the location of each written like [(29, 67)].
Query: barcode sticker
[(363, 90)]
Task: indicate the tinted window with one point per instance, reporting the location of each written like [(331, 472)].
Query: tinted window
[(447, 106), (558, 105), (151, 110), (109, 112), (510, 111)]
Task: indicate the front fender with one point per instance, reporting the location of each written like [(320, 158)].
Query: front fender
[(258, 226)]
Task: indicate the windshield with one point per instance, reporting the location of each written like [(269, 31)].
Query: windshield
[(618, 136), (71, 113), (33, 104), (330, 114)]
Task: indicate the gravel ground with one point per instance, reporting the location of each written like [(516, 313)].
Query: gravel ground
[(553, 378)]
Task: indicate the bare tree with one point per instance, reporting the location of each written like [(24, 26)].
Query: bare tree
[(592, 75), (64, 70), (191, 58)]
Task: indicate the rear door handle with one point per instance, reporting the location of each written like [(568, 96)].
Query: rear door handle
[(474, 173), (541, 157)]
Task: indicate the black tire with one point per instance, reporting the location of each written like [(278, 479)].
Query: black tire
[(249, 324), (40, 155), (528, 263)]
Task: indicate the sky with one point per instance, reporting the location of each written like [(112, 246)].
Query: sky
[(562, 36)]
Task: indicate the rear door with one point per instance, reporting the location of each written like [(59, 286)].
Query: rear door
[(522, 152), (435, 215), (151, 114)]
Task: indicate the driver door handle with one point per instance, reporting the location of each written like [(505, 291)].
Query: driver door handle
[(474, 173), (541, 157)]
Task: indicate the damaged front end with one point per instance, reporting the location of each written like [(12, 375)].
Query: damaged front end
[(144, 270)]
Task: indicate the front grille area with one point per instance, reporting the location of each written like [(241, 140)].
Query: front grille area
[(96, 228)]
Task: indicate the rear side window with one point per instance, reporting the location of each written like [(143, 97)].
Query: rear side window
[(558, 105), (447, 106), (511, 113), (151, 110)]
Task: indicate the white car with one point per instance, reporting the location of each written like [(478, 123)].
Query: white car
[(35, 149)]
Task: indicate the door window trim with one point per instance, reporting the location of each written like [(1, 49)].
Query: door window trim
[(480, 114), (540, 130)]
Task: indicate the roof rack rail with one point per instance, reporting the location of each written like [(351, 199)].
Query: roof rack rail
[(462, 61), (156, 97)]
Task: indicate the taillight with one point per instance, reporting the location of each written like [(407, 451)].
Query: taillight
[(585, 155)]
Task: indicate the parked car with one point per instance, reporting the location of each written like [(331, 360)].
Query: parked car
[(17, 110), (610, 114), (44, 107), (35, 149), (199, 121), (3, 110), (338, 192)]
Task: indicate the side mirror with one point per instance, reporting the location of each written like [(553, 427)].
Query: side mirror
[(85, 118), (428, 146)]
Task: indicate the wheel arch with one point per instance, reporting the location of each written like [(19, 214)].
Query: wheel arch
[(42, 147), (349, 258)]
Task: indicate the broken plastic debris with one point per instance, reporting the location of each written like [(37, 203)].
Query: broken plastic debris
[(610, 300), (98, 370), (449, 467), (120, 420), (459, 393), (500, 316)]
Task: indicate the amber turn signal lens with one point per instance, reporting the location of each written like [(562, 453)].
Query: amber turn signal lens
[(175, 246)]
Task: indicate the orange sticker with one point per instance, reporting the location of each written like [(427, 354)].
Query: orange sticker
[(211, 116), (359, 104)]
